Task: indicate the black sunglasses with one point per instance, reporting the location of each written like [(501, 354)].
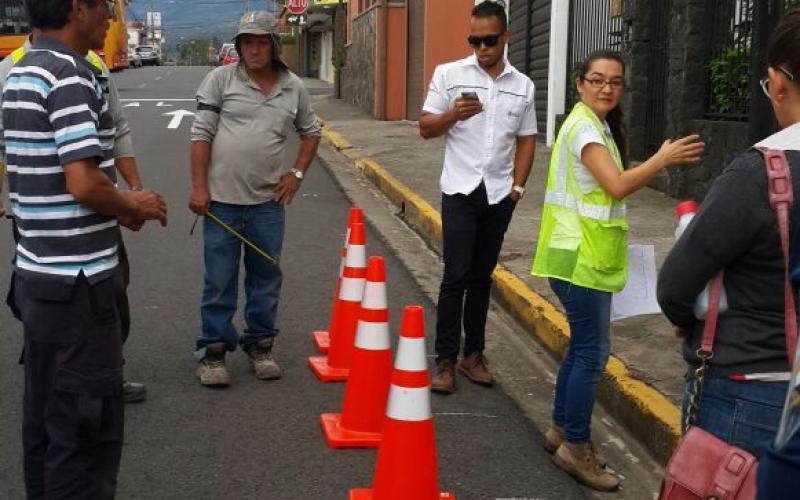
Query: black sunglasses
[(488, 40)]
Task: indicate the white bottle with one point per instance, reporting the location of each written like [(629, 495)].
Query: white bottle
[(685, 212)]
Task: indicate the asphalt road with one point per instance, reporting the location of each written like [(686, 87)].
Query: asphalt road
[(259, 440)]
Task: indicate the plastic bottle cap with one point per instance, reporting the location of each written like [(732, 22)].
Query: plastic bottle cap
[(686, 207)]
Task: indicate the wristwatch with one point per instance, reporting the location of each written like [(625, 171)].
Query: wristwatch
[(298, 173), (520, 190)]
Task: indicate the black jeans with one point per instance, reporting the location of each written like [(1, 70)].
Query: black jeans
[(472, 234), (73, 412)]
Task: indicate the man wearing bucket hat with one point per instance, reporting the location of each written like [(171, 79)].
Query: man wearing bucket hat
[(244, 113)]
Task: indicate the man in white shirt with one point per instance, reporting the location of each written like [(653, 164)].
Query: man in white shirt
[(485, 109)]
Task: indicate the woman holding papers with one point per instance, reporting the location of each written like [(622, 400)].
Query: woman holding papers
[(583, 244)]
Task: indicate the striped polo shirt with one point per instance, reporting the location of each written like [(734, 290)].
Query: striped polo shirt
[(55, 112)]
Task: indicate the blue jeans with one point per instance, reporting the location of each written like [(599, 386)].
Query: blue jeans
[(744, 414), (263, 225), (589, 316)]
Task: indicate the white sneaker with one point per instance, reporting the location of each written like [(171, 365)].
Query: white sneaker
[(211, 369)]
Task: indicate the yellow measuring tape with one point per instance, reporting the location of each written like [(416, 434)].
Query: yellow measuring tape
[(242, 238)]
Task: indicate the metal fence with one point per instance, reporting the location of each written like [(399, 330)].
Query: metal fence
[(729, 69), (593, 25)]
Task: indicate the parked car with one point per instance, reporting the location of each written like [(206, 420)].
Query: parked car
[(231, 57), (134, 59), (223, 51), (149, 55)]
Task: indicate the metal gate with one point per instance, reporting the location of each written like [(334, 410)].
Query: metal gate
[(529, 50), (592, 26), (656, 116)]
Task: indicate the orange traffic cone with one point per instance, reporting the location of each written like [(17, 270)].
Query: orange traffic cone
[(406, 467), (321, 337), (359, 424), (335, 367)]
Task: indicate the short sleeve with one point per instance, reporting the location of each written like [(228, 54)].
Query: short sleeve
[(73, 107), (306, 122), (529, 124), (585, 134), (437, 101)]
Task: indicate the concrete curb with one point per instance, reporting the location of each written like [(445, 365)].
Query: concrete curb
[(648, 414)]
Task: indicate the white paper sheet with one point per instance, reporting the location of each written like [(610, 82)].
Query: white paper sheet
[(639, 296)]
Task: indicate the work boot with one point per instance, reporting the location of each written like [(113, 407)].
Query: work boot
[(444, 382), (474, 368), (555, 436), (211, 369), (133, 392), (260, 356), (578, 461)]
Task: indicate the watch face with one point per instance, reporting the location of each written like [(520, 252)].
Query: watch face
[(298, 174)]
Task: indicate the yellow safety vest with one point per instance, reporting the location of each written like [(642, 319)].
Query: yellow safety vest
[(583, 237), (92, 57)]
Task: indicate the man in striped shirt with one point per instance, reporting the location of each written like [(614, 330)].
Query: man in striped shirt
[(59, 139)]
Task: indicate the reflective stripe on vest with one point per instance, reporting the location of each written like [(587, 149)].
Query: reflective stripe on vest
[(583, 236), (92, 57)]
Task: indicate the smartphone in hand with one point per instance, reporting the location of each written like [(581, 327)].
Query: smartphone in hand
[(472, 96)]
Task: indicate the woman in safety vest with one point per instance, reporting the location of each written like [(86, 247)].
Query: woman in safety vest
[(583, 245)]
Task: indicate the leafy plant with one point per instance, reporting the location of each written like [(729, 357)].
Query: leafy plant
[(730, 82)]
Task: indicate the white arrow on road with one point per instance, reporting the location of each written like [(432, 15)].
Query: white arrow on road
[(132, 105), (177, 117)]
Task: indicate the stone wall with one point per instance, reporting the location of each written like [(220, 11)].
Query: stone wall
[(358, 73)]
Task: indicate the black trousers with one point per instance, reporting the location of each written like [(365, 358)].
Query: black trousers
[(472, 234), (73, 413)]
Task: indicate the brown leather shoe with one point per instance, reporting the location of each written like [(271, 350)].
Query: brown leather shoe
[(554, 437), (474, 368), (578, 461), (444, 382)]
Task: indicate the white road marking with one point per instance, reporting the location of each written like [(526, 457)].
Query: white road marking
[(158, 78), (132, 105), (142, 85), (177, 117), (161, 104)]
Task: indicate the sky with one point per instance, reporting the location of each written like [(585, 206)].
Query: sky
[(196, 18)]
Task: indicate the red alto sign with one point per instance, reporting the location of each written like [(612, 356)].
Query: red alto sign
[(297, 7)]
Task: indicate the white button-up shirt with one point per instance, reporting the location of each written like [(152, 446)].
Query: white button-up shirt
[(482, 148)]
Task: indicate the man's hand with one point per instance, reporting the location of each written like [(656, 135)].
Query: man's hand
[(287, 188), (200, 201), (515, 196), (131, 223), (150, 205), (465, 109)]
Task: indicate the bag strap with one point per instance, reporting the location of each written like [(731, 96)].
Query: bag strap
[(781, 198)]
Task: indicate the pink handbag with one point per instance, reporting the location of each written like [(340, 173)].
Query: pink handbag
[(703, 466)]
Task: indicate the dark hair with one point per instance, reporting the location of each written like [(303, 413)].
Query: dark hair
[(784, 48), (277, 62), (51, 14), (615, 117), (491, 8)]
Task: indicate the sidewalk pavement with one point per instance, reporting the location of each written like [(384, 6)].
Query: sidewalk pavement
[(643, 382)]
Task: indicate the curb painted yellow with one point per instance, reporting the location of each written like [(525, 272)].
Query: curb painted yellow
[(639, 402), (336, 139)]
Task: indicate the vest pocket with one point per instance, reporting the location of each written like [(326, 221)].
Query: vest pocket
[(607, 246)]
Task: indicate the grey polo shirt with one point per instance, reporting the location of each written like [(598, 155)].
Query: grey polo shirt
[(247, 130)]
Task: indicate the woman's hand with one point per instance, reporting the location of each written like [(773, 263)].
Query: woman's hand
[(684, 151)]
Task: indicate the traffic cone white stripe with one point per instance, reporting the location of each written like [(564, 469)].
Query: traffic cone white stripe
[(356, 256), (411, 355), (343, 261), (409, 404), (352, 289), (374, 296), (372, 336)]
